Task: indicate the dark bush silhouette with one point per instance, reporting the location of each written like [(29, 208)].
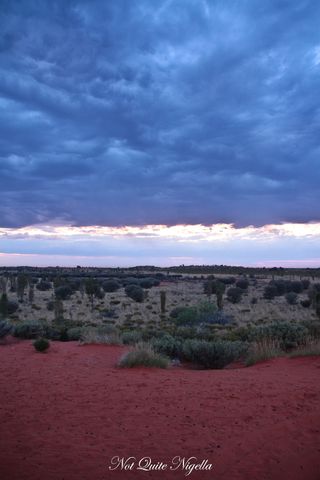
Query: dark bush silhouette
[(63, 292), (227, 280), (270, 291), (234, 294), (305, 303), (242, 283), (216, 354), (149, 282), (295, 286), (28, 330), (305, 284), (291, 298), (41, 344), (5, 328), (4, 305), (43, 286), (111, 286), (135, 292)]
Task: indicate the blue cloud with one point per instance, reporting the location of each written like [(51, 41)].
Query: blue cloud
[(165, 112)]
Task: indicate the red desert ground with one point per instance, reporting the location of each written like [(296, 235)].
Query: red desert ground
[(69, 413)]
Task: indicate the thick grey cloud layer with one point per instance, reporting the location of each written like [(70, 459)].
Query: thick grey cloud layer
[(163, 111)]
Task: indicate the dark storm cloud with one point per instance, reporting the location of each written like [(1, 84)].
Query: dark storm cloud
[(159, 112)]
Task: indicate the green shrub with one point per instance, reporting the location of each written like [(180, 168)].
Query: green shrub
[(63, 292), (4, 305), (312, 327), (270, 291), (149, 282), (289, 335), (187, 316), (143, 355), (130, 337), (75, 333), (242, 283), (176, 311), (135, 292), (296, 286), (111, 286), (216, 354), (168, 345), (291, 298), (234, 294), (41, 344), (5, 328), (203, 312), (28, 330)]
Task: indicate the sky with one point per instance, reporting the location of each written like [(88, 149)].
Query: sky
[(160, 132)]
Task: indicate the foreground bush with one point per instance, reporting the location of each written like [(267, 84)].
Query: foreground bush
[(28, 330), (215, 354), (5, 328), (41, 344), (289, 335), (143, 356), (168, 345)]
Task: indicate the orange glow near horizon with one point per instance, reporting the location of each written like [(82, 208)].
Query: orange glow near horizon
[(182, 233)]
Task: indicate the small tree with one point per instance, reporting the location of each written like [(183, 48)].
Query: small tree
[(220, 289), (3, 285), (135, 292), (234, 294), (92, 289), (4, 305), (317, 304), (291, 298), (58, 310), (22, 282), (31, 294), (163, 300)]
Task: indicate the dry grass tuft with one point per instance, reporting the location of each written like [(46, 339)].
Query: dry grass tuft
[(262, 350), (143, 355), (311, 347), (97, 336)]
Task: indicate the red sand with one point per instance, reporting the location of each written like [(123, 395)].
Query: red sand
[(65, 413)]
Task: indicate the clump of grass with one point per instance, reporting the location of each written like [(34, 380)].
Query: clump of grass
[(312, 347), (263, 349), (41, 344), (143, 355), (107, 336)]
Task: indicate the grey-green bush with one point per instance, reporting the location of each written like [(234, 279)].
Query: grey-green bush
[(213, 355)]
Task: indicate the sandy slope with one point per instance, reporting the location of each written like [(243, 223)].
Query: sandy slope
[(64, 414)]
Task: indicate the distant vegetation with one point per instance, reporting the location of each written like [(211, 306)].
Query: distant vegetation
[(206, 316)]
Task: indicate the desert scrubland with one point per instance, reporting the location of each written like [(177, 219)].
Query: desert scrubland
[(237, 388)]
